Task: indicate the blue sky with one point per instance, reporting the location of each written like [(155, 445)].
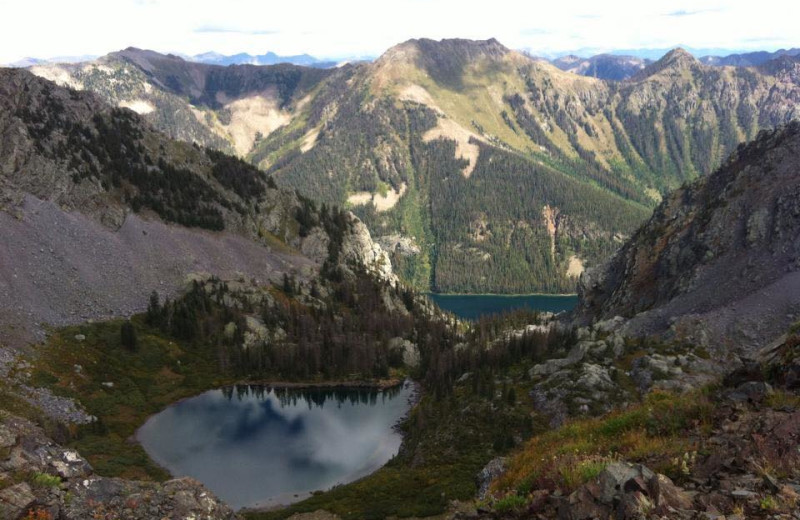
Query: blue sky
[(343, 28)]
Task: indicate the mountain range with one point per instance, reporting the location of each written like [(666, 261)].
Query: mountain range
[(617, 66), (269, 58), (432, 143)]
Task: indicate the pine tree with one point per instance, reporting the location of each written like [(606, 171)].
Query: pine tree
[(128, 336), (153, 317)]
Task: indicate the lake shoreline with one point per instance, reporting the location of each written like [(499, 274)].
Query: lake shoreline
[(378, 384), (504, 295), (472, 307)]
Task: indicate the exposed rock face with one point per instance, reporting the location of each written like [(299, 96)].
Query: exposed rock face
[(719, 261), (488, 474), (399, 245), (359, 249), (62, 484)]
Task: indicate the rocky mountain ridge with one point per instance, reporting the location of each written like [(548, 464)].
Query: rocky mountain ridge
[(100, 209), (717, 263)]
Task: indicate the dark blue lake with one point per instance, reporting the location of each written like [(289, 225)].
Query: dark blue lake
[(258, 447), (473, 306)]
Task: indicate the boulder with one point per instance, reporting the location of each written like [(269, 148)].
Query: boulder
[(751, 391), (666, 495), (626, 492), (15, 500), (488, 474), (7, 437), (613, 478), (407, 349), (583, 505)]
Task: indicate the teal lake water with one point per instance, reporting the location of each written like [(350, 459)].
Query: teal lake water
[(473, 306), (256, 446)]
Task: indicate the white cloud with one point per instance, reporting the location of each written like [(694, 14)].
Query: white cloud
[(44, 28)]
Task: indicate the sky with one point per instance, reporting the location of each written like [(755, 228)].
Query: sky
[(339, 29)]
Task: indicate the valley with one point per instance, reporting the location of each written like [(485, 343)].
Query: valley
[(209, 269), (425, 141)]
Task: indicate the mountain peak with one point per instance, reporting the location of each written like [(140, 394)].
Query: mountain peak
[(444, 60), (676, 59), (678, 55), (461, 46)]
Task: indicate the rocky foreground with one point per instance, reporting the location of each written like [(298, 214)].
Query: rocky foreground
[(738, 458), (44, 481)]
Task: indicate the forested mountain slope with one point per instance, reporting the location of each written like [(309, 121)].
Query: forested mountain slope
[(99, 209), (480, 168)]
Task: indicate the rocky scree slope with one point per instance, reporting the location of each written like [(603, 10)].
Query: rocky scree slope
[(100, 209), (729, 450), (718, 264)]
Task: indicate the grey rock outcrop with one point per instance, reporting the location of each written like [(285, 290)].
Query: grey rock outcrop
[(61, 483), (718, 264), (358, 248), (626, 492), (494, 469)]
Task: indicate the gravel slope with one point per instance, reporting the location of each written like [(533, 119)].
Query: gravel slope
[(59, 268)]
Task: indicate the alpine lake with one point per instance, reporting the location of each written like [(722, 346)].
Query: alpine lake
[(259, 446)]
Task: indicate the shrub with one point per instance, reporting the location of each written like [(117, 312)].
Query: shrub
[(45, 480), (509, 503), (38, 514)]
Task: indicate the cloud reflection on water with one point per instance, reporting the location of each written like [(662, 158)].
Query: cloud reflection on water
[(251, 444)]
